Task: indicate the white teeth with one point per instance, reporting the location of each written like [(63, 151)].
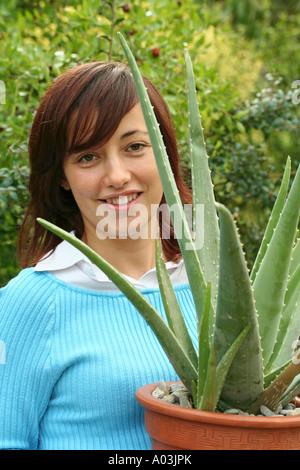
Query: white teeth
[(121, 200)]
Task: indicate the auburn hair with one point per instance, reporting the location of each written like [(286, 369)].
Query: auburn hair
[(104, 90)]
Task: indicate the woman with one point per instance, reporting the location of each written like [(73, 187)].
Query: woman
[(76, 349)]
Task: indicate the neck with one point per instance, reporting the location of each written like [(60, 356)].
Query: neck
[(131, 257)]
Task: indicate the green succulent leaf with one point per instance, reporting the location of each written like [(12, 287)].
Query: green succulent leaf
[(206, 233), (204, 345), (272, 395), (172, 307), (208, 399), (271, 279), (226, 362), (271, 376), (292, 391), (289, 327), (295, 260), (217, 376), (235, 311), (274, 217)]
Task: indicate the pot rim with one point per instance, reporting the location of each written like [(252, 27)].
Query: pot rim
[(145, 398)]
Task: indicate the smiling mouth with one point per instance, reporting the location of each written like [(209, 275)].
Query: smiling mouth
[(121, 200)]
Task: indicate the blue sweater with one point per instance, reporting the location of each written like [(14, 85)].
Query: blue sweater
[(73, 361)]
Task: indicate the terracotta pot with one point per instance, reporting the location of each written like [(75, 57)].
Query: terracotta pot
[(174, 427)]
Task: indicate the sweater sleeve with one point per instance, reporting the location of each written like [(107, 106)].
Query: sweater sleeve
[(27, 307)]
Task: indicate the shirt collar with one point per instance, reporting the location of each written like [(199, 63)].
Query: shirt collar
[(66, 256)]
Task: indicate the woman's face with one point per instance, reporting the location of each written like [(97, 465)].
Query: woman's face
[(117, 186)]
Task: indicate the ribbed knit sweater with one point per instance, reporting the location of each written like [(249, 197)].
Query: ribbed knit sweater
[(73, 361)]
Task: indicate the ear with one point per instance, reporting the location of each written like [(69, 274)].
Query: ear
[(65, 185)]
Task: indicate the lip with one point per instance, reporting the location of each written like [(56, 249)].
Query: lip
[(123, 207)]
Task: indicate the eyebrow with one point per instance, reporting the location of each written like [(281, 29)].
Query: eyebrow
[(130, 133)]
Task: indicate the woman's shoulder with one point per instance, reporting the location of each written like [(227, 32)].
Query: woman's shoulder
[(27, 278), (27, 305), (27, 286)]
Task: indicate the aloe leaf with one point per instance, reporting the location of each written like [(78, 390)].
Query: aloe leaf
[(289, 327), (208, 400), (182, 230), (216, 374), (194, 393), (206, 234), (292, 391), (274, 217), (204, 344), (172, 307), (271, 279), (226, 361), (166, 338), (271, 376), (236, 310), (272, 395), (295, 261), (292, 285)]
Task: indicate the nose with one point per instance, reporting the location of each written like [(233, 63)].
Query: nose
[(116, 172)]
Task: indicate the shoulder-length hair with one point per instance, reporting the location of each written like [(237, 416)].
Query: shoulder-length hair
[(102, 89)]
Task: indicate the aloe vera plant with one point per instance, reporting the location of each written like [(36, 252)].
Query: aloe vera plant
[(248, 323)]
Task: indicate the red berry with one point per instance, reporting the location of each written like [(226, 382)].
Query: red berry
[(126, 8), (131, 32), (155, 52)]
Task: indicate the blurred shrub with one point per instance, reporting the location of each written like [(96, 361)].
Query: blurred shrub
[(13, 201)]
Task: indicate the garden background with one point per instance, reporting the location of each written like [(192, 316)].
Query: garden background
[(246, 58)]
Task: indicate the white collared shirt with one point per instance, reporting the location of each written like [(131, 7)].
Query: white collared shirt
[(68, 264)]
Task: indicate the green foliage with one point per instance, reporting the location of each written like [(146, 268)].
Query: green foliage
[(253, 54), (13, 201)]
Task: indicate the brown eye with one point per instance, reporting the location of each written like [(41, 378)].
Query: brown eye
[(136, 147), (89, 157)]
